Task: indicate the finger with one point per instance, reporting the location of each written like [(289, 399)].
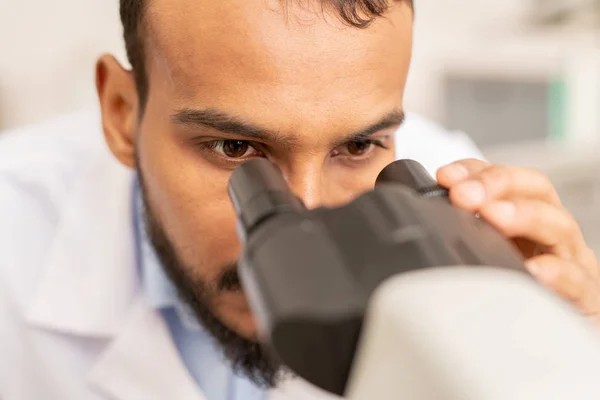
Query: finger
[(550, 226), (459, 171), (567, 279), (498, 182), (587, 258)]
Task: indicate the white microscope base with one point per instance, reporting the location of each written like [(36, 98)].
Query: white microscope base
[(474, 333)]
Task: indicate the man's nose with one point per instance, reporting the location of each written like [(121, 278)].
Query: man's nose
[(307, 185), (316, 187)]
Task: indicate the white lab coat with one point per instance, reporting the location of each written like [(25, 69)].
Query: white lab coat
[(73, 321)]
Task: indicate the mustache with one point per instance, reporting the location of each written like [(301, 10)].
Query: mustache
[(229, 279)]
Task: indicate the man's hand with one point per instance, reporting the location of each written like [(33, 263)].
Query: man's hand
[(523, 204)]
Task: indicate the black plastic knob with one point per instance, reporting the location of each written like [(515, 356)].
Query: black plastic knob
[(412, 174)]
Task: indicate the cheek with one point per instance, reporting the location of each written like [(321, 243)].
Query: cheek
[(190, 198)]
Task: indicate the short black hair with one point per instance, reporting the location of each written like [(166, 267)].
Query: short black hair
[(356, 13)]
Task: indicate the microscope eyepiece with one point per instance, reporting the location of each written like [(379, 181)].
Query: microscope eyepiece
[(258, 191)]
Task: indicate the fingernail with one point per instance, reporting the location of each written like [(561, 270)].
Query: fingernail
[(544, 273), (504, 210), (455, 172), (471, 191), (532, 267)]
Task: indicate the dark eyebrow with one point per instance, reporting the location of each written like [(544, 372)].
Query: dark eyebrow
[(223, 122), (392, 119)]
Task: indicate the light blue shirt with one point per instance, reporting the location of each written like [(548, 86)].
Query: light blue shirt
[(197, 349)]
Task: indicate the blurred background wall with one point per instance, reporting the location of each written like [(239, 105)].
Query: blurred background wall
[(521, 77), (48, 49), (47, 54)]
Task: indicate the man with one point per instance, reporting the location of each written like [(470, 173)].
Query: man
[(118, 271)]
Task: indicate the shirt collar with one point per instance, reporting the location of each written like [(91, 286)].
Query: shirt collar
[(158, 289)]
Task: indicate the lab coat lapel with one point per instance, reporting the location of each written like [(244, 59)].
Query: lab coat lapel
[(142, 362), (90, 288)]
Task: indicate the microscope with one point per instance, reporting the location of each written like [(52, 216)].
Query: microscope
[(401, 295)]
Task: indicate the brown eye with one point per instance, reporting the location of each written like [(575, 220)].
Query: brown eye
[(235, 148), (232, 149), (357, 149)]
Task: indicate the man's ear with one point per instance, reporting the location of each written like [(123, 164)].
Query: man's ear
[(119, 104)]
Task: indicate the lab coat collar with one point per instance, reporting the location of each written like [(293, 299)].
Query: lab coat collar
[(90, 287), (89, 282)]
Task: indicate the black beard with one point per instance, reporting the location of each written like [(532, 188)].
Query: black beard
[(247, 357)]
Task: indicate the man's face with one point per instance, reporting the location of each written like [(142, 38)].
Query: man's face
[(233, 80)]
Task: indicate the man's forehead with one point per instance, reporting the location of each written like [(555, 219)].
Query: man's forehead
[(295, 70), (188, 32)]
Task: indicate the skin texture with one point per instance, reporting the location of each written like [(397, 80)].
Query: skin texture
[(312, 82)]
